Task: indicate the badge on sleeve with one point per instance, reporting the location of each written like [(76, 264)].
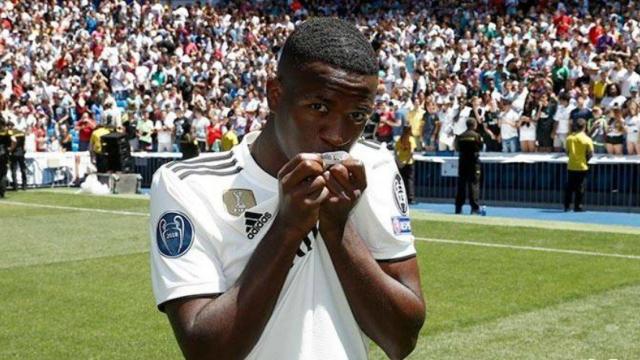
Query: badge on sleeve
[(401, 225), (174, 234), (400, 195)]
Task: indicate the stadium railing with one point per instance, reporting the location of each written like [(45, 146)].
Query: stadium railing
[(535, 180)]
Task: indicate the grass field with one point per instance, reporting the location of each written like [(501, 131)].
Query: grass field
[(75, 285)]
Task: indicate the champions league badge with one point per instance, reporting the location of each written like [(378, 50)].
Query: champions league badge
[(174, 234), (400, 195)]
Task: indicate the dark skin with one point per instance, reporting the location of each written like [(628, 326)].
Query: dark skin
[(317, 109)]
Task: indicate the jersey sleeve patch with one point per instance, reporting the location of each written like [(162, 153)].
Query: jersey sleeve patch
[(401, 225), (174, 234), (400, 195)]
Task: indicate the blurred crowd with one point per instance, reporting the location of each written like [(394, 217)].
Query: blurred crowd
[(525, 70)]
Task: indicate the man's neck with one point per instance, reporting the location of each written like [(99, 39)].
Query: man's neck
[(267, 153)]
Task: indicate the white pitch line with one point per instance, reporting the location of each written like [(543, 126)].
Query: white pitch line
[(444, 241), (102, 211), (530, 248)]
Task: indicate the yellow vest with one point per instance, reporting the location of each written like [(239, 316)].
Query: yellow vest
[(229, 140), (577, 146), (94, 143), (405, 154)]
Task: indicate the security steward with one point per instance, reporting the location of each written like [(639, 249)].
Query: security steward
[(468, 144), (579, 150), (98, 158), (5, 145), (16, 157)]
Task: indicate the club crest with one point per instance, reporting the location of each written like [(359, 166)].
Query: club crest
[(174, 234), (238, 200), (400, 195)]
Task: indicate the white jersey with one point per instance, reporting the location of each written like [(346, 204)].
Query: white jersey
[(208, 214)]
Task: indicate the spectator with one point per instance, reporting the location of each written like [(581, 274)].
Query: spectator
[(74, 58), (85, 127), (229, 140), (562, 120), (543, 114), (612, 98), (145, 129), (508, 120), (632, 127), (615, 131), (597, 130), (527, 127)]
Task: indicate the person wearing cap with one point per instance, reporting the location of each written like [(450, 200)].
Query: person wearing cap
[(579, 151)]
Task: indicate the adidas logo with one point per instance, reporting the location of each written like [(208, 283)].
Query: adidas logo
[(255, 222)]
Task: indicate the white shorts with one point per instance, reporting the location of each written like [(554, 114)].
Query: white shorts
[(632, 137), (528, 133)]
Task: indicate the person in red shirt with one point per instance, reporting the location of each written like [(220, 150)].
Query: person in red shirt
[(214, 132), (596, 31), (563, 23), (41, 137), (85, 127)]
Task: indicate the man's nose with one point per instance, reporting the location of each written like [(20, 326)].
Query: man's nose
[(334, 133)]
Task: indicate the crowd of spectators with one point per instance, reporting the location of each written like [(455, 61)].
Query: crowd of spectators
[(523, 69)]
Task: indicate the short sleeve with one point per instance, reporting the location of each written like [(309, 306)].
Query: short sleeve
[(381, 217), (185, 259)]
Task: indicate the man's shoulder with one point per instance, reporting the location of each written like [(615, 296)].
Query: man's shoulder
[(584, 138), (213, 168), (371, 152)]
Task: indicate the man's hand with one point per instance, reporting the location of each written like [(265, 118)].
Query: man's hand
[(302, 191), (346, 182)]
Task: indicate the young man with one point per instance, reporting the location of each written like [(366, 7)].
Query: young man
[(562, 124), (579, 150), (268, 252), (508, 127)]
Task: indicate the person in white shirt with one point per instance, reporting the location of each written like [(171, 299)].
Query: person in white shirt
[(561, 122), (269, 252), (508, 120), (446, 117), (632, 127)]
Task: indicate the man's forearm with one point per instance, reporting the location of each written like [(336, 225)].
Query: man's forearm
[(229, 326), (389, 312)]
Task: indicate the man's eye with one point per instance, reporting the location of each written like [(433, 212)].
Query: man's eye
[(319, 107), (359, 117)]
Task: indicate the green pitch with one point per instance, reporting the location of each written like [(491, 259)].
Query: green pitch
[(75, 285)]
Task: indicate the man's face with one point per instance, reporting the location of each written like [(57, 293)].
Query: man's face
[(320, 108)]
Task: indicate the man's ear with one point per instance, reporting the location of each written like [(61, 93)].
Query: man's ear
[(274, 93)]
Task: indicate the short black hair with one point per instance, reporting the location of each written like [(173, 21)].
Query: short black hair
[(332, 41), (579, 125)]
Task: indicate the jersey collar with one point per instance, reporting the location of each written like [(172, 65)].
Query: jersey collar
[(254, 172)]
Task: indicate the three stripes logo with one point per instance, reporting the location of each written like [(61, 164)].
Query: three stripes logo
[(254, 222)]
